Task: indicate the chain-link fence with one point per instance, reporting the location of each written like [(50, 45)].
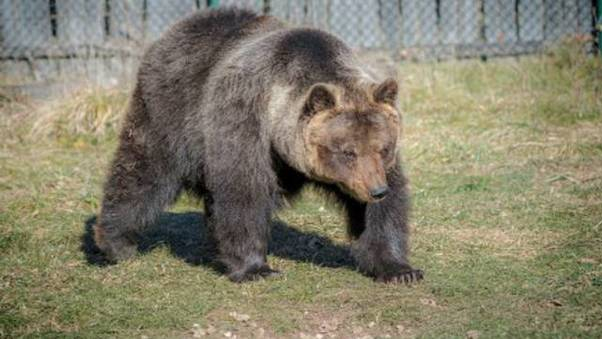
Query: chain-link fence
[(47, 39)]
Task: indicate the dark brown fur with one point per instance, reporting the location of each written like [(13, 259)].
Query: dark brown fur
[(241, 110)]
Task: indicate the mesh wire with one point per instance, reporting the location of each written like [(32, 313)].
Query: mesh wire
[(407, 29)]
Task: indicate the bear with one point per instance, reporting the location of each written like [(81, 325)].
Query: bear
[(244, 111)]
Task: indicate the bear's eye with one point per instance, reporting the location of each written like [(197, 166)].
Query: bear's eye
[(349, 155), (385, 151)]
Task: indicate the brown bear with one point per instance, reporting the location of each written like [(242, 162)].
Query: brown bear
[(243, 111)]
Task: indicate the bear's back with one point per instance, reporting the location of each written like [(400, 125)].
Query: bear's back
[(311, 55), (175, 67)]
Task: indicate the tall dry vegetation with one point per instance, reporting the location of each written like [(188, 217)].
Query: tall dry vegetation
[(94, 112)]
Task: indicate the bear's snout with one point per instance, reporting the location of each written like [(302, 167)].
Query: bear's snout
[(379, 192)]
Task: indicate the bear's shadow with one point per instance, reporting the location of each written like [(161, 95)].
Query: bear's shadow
[(185, 235)]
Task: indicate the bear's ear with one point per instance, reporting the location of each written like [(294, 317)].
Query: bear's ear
[(321, 97), (386, 93)]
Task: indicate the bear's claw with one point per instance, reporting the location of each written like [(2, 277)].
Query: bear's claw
[(406, 277), (115, 249), (253, 273)]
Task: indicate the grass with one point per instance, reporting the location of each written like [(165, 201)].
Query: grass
[(505, 160), (89, 112)]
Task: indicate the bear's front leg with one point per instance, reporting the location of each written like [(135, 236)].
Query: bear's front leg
[(381, 248), (240, 181), (239, 223)]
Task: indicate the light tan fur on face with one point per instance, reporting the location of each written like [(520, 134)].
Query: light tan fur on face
[(301, 141), (288, 129), (368, 171), (369, 174), (313, 135)]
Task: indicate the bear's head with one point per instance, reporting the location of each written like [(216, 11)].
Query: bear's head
[(352, 140)]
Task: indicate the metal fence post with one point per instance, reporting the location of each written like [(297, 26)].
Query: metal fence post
[(599, 26)]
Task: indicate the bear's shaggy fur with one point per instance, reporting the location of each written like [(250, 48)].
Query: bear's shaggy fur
[(241, 111)]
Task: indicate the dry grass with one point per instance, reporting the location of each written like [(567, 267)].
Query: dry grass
[(91, 111)]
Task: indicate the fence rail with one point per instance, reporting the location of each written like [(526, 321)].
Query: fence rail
[(47, 38)]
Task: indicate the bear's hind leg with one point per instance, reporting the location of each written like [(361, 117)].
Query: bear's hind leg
[(135, 193)]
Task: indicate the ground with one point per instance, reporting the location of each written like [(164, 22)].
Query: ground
[(505, 161)]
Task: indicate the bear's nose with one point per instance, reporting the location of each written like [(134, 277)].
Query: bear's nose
[(379, 193)]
